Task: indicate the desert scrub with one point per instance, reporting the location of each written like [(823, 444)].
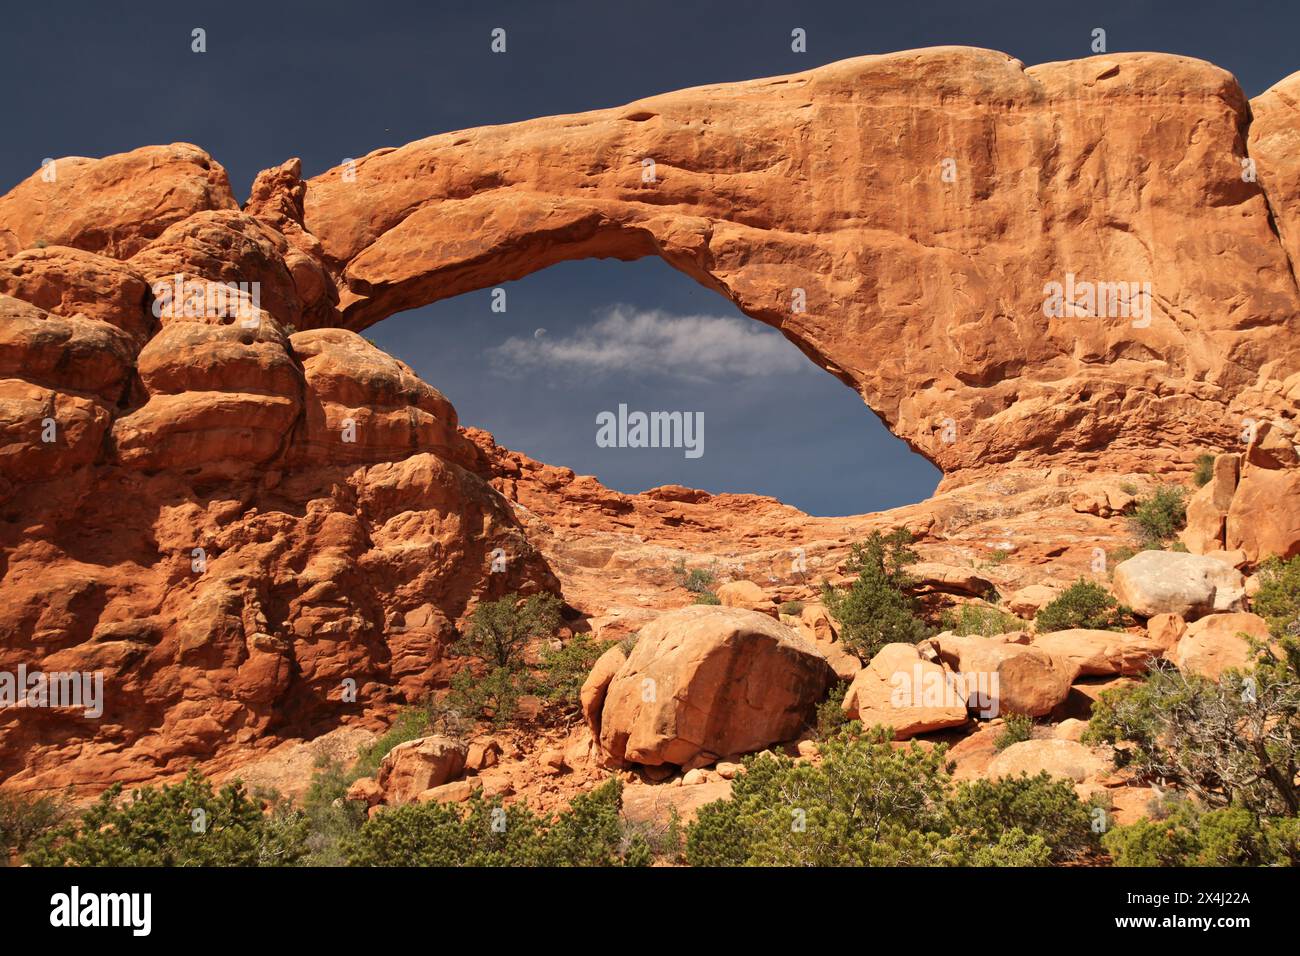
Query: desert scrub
[(1278, 598), (182, 824), (696, 580), (490, 693), (24, 819), (977, 619), (1186, 835), (493, 691), (484, 832), (996, 557), (411, 723), (1159, 516), (830, 712), (562, 672), (1204, 470), (876, 609), (664, 841), (331, 817), (1229, 743), (499, 632), (1015, 729), (869, 803), (706, 597), (1083, 604), (1119, 556), (793, 608)]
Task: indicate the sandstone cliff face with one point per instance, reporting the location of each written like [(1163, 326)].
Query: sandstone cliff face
[(252, 532), (236, 513)]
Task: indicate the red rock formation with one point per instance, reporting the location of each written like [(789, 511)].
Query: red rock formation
[(909, 695), (233, 512), (706, 682), (113, 206), (924, 295), (252, 533)]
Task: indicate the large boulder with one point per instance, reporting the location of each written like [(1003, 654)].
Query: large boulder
[(844, 662), (659, 806), (1174, 582), (1213, 644), (816, 624), (819, 623), (1062, 759), (458, 791), (112, 206), (1005, 676), (900, 690), (708, 681), (72, 282), (949, 579), (1164, 630), (970, 757), (1032, 598), (592, 695), (412, 768), (1272, 446), (1101, 653), (1102, 498), (746, 594), (1207, 509), (1264, 520), (1260, 512)]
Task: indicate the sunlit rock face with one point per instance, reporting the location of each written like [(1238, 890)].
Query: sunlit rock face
[(1076, 260), (255, 525)]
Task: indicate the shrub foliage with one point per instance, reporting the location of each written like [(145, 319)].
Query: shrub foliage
[(486, 833), (1233, 745), (1159, 516), (24, 819), (871, 804), (1083, 604), (1204, 470), (1015, 729), (877, 609), (978, 619), (1189, 836), (183, 824)]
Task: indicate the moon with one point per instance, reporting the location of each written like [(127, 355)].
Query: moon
[(539, 333)]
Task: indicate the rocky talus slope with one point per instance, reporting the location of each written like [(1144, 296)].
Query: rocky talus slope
[(262, 529)]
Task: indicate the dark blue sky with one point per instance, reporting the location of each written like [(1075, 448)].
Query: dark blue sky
[(328, 80)]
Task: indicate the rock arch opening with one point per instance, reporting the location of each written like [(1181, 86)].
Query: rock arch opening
[(538, 361), (923, 291)]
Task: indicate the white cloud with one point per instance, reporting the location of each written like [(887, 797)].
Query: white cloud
[(629, 341)]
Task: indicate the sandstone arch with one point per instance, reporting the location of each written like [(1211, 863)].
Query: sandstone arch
[(925, 296), (328, 560)]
